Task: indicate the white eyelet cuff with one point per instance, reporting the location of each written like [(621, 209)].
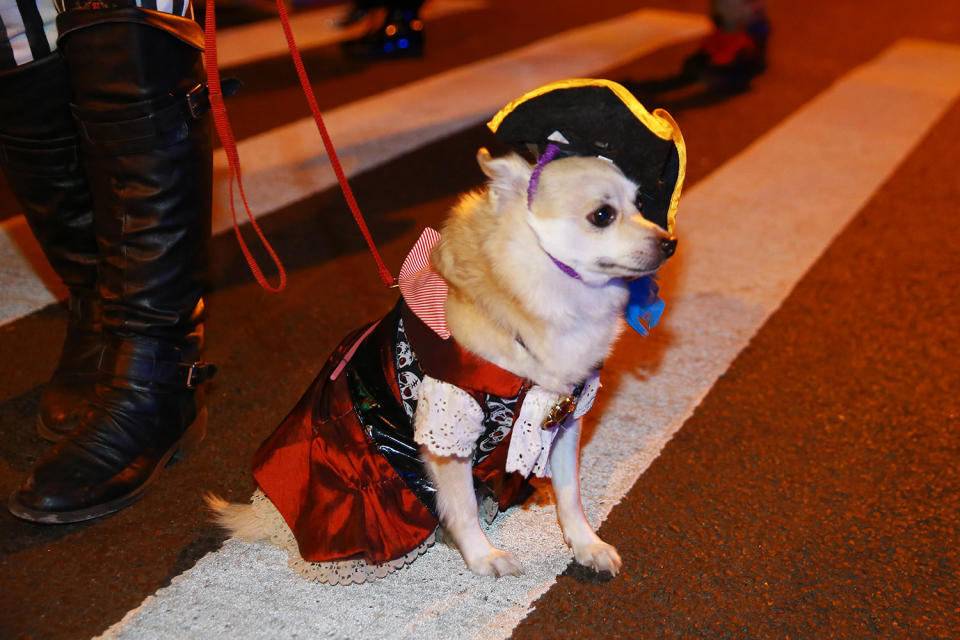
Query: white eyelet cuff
[(448, 420)]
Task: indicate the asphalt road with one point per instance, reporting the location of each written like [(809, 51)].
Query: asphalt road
[(812, 494)]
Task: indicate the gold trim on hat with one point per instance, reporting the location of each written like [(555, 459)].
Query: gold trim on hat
[(660, 123)]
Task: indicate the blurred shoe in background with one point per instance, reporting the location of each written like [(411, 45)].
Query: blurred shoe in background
[(399, 36), (736, 50)]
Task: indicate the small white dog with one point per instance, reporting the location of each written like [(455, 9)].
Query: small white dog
[(533, 273), (512, 305)]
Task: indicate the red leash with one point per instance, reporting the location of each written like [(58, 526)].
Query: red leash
[(225, 132)]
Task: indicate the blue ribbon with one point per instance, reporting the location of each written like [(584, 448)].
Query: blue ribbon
[(643, 307)]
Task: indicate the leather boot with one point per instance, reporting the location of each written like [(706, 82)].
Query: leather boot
[(139, 103), (40, 155)]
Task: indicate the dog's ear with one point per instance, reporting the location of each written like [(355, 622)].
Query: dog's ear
[(509, 174)]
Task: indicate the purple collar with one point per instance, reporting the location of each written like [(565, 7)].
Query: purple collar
[(567, 269), (549, 154)]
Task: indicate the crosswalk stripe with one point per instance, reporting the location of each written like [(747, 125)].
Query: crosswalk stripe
[(28, 281), (288, 163), (749, 231)]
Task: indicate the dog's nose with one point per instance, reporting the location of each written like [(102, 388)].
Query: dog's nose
[(668, 246)]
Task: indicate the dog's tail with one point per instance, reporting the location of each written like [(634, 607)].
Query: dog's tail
[(241, 520)]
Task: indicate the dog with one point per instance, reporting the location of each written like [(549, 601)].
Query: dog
[(536, 269), (510, 304)]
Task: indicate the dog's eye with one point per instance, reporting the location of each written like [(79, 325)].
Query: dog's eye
[(603, 217)]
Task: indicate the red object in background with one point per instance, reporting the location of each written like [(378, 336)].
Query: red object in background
[(724, 47)]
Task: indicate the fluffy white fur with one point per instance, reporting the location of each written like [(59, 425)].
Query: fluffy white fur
[(504, 286), (509, 303)]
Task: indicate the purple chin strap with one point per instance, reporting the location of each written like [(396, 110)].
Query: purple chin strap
[(567, 269), (549, 154)]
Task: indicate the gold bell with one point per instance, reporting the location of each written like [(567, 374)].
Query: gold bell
[(559, 411)]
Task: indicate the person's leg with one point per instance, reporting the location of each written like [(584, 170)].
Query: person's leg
[(139, 102), (40, 156), (400, 35), (744, 16), (736, 49)]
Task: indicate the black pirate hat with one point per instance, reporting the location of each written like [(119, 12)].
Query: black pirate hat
[(587, 117)]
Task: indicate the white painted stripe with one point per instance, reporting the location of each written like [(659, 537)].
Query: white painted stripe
[(28, 281), (265, 39), (288, 163), (749, 232)]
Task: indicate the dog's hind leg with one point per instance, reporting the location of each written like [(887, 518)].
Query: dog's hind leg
[(457, 506), (588, 549)]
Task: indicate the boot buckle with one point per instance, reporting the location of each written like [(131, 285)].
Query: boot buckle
[(198, 373), (198, 98), (191, 376), (198, 101)]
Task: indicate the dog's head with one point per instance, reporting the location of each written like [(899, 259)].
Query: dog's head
[(602, 198), (585, 213)]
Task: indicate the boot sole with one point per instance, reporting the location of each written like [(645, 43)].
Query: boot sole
[(190, 438)]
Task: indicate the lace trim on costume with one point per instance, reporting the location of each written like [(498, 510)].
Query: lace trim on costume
[(588, 395), (498, 413), (448, 420), (341, 572), (530, 444)]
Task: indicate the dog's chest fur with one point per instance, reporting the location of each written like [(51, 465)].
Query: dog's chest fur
[(509, 303)]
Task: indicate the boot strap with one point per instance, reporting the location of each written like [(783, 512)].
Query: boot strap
[(165, 123), (146, 369), (41, 157)]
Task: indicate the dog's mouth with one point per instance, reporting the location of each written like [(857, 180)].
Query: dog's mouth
[(620, 270), (645, 261)]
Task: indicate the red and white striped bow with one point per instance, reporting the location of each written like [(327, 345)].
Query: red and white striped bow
[(424, 291)]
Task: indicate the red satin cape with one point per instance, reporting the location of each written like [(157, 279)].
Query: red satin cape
[(338, 495)]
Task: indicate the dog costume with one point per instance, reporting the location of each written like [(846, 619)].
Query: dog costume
[(343, 468)]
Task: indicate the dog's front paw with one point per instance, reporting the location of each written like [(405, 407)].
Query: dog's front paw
[(599, 556), (497, 563)]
